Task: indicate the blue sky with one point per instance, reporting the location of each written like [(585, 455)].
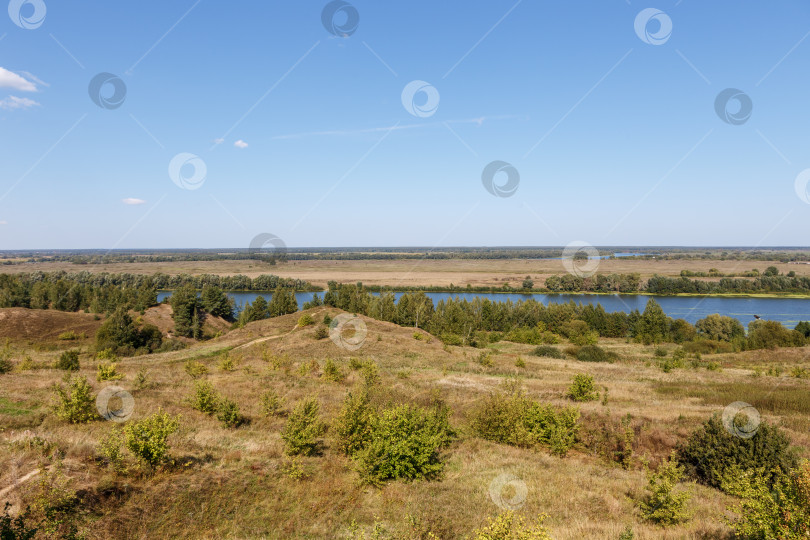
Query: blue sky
[(304, 134)]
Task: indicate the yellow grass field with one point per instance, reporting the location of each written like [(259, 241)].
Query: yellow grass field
[(411, 273)]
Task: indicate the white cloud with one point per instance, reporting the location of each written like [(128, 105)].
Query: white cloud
[(240, 144), (131, 201), (9, 79), (3, 222), (13, 102), (219, 141)]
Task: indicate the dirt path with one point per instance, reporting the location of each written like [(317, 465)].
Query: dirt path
[(19, 482), (262, 340)]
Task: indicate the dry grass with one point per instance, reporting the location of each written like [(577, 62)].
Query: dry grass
[(232, 483)]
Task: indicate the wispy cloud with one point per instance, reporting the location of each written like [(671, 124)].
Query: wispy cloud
[(218, 141), (3, 222), (9, 79), (240, 144), (350, 132), (13, 103), (132, 201)]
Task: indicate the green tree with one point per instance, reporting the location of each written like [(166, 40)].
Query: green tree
[(216, 302), (653, 326), (282, 302), (185, 309), (720, 327), (528, 283)]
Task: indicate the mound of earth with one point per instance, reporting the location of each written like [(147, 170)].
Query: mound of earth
[(45, 324)]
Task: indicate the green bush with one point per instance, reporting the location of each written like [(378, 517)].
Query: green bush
[(147, 439), (68, 361), (352, 426), (228, 413), (663, 505), (300, 433), (404, 444), (511, 418), (271, 403), (321, 333), (331, 371), (772, 509), (107, 372), (76, 403), (195, 369), (205, 398), (582, 388), (593, 353), (5, 365), (305, 320), (711, 452), (548, 351), (511, 526)]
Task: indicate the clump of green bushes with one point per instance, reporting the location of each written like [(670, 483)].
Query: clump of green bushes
[(712, 454), (147, 439), (582, 388), (595, 353), (398, 442), (303, 428), (75, 404), (68, 361), (548, 351), (509, 417), (663, 504)]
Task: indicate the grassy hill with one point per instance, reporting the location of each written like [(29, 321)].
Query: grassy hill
[(226, 482)]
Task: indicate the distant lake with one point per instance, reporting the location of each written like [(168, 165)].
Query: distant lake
[(788, 311)]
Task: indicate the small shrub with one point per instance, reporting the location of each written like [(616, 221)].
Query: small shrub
[(76, 403), (485, 359), (56, 502), (110, 448), (195, 369), (107, 372), (70, 335), (404, 443), (327, 320), (582, 388), (548, 351), (331, 371), (147, 439), (511, 418), (271, 403), (107, 354), (141, 380), (228, 413), (509, 525), (800, 373), (370, 373), (305, 320), (403, 373), (68, 361), (5, 365), (300, 433), (321, 332), (593, 353), (778, 509), (711, 452), (663, 505), (352, 426), (520, 362), (227, 363), (627, 534), (205, 398), (419, 337), (355, 363)]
